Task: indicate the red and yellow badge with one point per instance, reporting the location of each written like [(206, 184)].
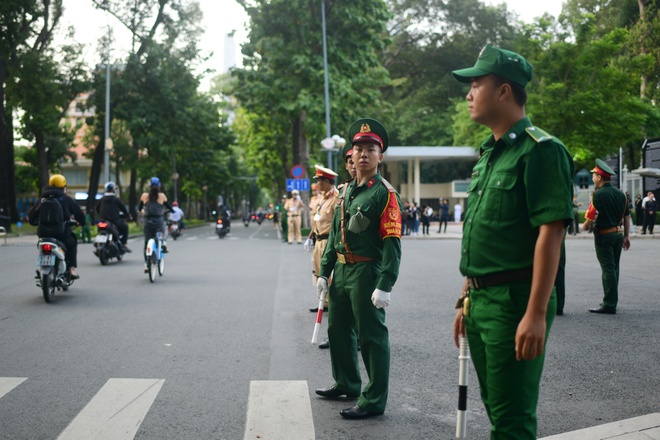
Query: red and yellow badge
[(390, 219)]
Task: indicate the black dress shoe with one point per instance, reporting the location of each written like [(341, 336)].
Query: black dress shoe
[(325, 344), (603, 310), (355, 412), (316, 309), (560, 312), (333, 393)]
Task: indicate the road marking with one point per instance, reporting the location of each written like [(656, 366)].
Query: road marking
[(9, 383), (279, 410), (116, 411)]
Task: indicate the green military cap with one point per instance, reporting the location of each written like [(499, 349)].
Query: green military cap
[(501, 62), (348, 151), (603, 169), (368, 130)]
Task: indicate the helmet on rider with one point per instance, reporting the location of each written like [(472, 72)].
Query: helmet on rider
[(57, 180), (110, 187), (175, 203), (155, 181)]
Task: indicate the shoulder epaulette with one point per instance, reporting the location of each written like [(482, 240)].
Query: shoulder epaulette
[(388, 185), (538, 134)]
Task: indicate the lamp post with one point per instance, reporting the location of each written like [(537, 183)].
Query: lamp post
[(333, 144), (106, 159), (326, 90)]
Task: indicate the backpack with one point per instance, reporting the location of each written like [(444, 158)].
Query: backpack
[(51, 218)]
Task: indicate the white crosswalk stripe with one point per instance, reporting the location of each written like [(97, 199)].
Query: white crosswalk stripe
[(116, 412), (279, 410), (9, 383), (276, 410)]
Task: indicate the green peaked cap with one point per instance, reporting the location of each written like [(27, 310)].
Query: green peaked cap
[(367, 130), (501, 62)]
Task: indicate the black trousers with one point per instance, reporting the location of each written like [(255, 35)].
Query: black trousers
[(649, 222)]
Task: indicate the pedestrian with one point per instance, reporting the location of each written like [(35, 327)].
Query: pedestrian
[(458, 212), (86, 230), (294, 208), (413, 218), (427, 212), (364, 251), (444, 216), (639, 210), (612, 218), (650, 207), (404, 219), (631, 206), (519, 204), (323, 214)]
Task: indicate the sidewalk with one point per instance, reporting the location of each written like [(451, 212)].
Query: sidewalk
[(455, 231), (638, 428)]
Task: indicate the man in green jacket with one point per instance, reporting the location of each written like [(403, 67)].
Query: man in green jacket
[(612, 220), (519, 202), (364, 251)]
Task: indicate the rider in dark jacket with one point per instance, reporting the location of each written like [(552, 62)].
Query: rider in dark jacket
[(57, 188), (110, 207)]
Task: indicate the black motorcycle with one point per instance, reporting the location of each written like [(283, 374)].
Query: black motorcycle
[(107, 244)]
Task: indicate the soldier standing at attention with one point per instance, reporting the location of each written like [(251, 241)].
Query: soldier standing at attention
[(612, 210), (519, 199), (364, 250)]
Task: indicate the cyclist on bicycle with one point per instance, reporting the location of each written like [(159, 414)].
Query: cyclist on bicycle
[(154, 203)]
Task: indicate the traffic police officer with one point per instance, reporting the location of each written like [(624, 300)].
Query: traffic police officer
[(519, 202), (294, 207), (613, 218), (364, 250)]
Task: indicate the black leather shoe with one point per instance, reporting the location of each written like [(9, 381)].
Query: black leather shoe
[(316, 309), (325, 344), (560, 312), (355, 412), (603, 310), (333, 393)]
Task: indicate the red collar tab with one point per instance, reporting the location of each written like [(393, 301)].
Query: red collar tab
[(371, 182)]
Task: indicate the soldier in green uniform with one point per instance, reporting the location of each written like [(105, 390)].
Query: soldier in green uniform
[(612, 219), (519, 202), (364, 251), (284, 222)]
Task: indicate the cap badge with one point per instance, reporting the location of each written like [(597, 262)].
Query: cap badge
[(365, 128)]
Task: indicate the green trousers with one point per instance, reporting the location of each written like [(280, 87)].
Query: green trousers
[(509, 388), (608, 252), (353, 320), (285, 227)]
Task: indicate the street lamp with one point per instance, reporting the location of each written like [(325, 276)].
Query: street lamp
[(333, 144)]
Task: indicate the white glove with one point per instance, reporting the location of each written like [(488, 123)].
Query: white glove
[(380, 298), (322, 286), (309, 245)]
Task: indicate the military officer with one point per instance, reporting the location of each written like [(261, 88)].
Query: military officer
[(364, 250), (283, 220), (294, 208), (611, 233), (322, 216), (314, 201), (519, 199), (348, 161)]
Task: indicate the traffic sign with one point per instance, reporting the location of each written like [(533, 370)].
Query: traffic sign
[(299, 184), (297, 171)]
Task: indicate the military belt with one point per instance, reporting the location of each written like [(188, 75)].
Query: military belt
[(499, 278), (322, 236), (294, 215), (609, 230), (352, 258)]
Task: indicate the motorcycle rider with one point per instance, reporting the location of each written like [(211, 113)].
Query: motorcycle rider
[(177, 215), (56, 188), (154, 203), (110, 207)]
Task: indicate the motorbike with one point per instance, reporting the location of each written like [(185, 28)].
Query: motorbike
[(53, 273), (174, 230), (246, 220), (221, 228), (107, 244)]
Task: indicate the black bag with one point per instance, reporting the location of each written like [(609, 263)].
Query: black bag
[(51, 218)]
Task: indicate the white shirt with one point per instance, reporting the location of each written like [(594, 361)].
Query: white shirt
[(176, 215)]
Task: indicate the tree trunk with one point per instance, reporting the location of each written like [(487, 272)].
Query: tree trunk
[(301, 157), (42, 157), (7, 187), (95, 175)]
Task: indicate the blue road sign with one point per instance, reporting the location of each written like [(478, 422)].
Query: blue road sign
[(297, 171), (299, 184)]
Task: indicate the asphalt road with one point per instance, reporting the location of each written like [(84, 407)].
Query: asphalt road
[(230, 312)]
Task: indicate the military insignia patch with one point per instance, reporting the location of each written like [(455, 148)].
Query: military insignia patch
[(390, 219), (365, 128)]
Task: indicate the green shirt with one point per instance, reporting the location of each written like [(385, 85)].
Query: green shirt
[(520, 182), (612, 206), (382, 237)]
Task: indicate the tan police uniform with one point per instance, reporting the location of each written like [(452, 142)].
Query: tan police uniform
[(294, 208)]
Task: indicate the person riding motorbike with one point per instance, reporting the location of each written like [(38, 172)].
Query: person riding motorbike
[(56, 189), (154, 203), (110, 207), (177, 215)]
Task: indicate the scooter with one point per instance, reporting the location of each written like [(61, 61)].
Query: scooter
[(221, 228), (174, 230), (53, 272), (107, 244)]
